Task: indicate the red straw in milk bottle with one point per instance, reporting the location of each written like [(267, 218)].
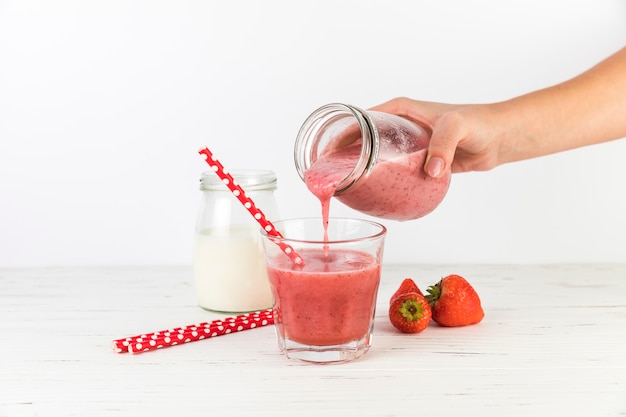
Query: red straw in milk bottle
[(238, 192)]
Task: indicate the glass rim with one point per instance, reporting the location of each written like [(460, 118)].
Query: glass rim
[(380, 233)]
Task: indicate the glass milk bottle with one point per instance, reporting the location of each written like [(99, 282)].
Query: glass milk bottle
[(371, 161), (229, 266)]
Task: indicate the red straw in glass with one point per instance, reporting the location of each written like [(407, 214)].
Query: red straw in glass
[(193, 332), (258, 215)]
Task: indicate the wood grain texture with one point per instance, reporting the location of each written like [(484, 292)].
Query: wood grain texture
[(553, 343)]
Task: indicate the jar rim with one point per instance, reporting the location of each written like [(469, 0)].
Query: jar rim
[(308, 146), (248, 179)]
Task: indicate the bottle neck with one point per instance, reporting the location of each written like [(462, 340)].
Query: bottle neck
[(335, 126), (249, 179)]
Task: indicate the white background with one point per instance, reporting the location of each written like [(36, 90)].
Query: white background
[(104, 104)]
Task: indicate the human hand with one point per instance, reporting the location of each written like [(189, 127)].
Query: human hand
[(463, 137)]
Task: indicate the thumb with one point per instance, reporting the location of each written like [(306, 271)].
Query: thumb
[(441, 150)]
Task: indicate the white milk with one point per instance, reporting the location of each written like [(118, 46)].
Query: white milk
[(229, 270)]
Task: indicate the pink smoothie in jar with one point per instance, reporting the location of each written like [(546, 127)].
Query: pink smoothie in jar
[(371, 161), (397, 189), (330, 300)]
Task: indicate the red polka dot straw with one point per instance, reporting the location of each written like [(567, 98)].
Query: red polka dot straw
[(258, 215), (193, 332)]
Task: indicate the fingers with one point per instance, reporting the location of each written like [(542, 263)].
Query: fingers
[(421, 112), (442, 147), (434, 116)]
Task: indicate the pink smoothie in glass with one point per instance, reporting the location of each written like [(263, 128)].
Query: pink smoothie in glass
[(397, 188), (328, 301)]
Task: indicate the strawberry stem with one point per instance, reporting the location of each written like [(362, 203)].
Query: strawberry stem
[(412, 310), (434, 292)]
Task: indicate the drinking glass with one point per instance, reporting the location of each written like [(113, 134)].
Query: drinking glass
[(324, 310)]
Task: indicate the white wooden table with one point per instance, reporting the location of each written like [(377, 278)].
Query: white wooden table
[(553, 343)]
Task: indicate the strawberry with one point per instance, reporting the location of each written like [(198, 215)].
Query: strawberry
[(408, 285), (410, 312), (454, 302)]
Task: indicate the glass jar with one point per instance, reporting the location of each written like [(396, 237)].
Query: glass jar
[(229, 266), (371, 161)]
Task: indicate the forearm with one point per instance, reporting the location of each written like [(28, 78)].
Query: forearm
[(588, 109)]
